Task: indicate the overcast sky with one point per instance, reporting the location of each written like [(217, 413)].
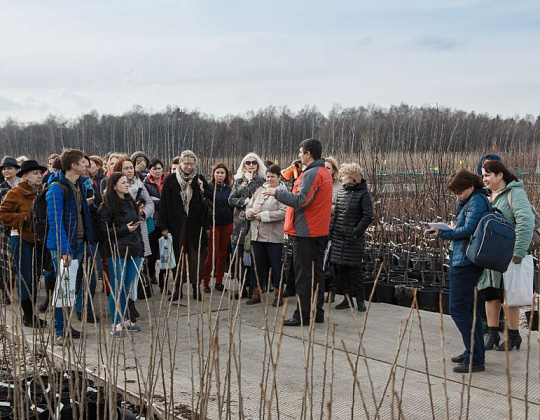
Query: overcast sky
[(228, 57)]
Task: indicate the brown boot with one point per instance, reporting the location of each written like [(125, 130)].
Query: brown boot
[(256, 298), (278, 297)]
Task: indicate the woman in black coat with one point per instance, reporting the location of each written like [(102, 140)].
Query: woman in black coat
[(352, 215), (183, 214)]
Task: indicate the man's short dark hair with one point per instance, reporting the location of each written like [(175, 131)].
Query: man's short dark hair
[(313, 146), (70, 157)]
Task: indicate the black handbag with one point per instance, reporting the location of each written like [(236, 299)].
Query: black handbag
[(144, 289)]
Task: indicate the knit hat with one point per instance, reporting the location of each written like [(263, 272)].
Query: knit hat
[(139, 154)]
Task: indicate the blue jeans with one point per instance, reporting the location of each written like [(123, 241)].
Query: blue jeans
[(463, 280), (123, 274), (27, 260), (77, 254), (266, 255)]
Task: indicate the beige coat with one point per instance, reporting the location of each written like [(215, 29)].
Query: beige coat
[(270, 227)]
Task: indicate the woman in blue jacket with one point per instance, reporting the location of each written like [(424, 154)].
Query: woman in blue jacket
[(464, 275)]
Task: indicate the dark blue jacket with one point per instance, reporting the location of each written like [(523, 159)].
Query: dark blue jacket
[(62, 216), (223, 212), (468, 213)]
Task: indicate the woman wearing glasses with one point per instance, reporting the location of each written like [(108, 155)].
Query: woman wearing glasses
[(251, 175)]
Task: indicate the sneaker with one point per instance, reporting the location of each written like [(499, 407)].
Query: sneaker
[(130, 326), (207, 289), (219, 287), (117, 333), (60, 339)]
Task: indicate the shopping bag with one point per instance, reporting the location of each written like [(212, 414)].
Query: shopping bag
[(64, 291), (326, 258), (518, 283), (166, 253)]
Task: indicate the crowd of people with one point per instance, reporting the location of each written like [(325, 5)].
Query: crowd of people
[(105, 218), (297, 231)]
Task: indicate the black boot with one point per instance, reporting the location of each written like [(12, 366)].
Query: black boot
[(344, 304), (196, 294), (131, 311), (514, 340), (49, 290), (492, 338), (29, 318), (361, 303), (177, 294)]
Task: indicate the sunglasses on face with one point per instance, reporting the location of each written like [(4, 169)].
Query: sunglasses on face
[(251, 162)]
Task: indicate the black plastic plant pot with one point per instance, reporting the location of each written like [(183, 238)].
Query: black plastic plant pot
[(6, 412), (368, 286), (446, 301), (98, 406), (405, 294), (532, 323), (428, 298), (385, 293), (6, 394)]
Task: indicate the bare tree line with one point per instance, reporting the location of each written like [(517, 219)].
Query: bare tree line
[(275, 132)]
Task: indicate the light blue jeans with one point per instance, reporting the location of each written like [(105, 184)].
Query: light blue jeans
[(124, 272)]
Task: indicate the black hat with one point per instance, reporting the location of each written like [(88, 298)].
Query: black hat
[(9, 161), (30, 165)]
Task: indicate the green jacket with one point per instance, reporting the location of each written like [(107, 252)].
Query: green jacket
[(523, 220)]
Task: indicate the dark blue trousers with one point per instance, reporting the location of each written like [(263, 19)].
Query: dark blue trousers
[(266, 255), (463, 280)]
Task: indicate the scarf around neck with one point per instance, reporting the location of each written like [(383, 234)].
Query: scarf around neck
[(186, 192)]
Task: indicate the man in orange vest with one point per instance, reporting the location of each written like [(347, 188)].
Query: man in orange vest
[(307, 220)]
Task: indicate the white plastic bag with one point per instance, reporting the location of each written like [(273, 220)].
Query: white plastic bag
[(166, 253), (64, 290), (326, 258), (518, 282)]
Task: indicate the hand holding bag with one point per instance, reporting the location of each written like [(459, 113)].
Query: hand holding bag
[(518, 283), (64, 291)]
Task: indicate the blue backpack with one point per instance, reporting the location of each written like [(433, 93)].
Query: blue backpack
[(492, 244)]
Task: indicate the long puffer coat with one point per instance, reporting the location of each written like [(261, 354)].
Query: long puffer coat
[(352, 216)]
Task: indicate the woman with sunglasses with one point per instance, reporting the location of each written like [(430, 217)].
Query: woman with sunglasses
[(251, 175)]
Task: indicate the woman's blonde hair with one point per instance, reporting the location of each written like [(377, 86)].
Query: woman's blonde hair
[(261, 167), (335, 168), (354, 170)]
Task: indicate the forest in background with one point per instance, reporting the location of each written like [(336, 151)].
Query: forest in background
[(275, 132)]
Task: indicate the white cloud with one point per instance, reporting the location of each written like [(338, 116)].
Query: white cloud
[(227, 58)]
